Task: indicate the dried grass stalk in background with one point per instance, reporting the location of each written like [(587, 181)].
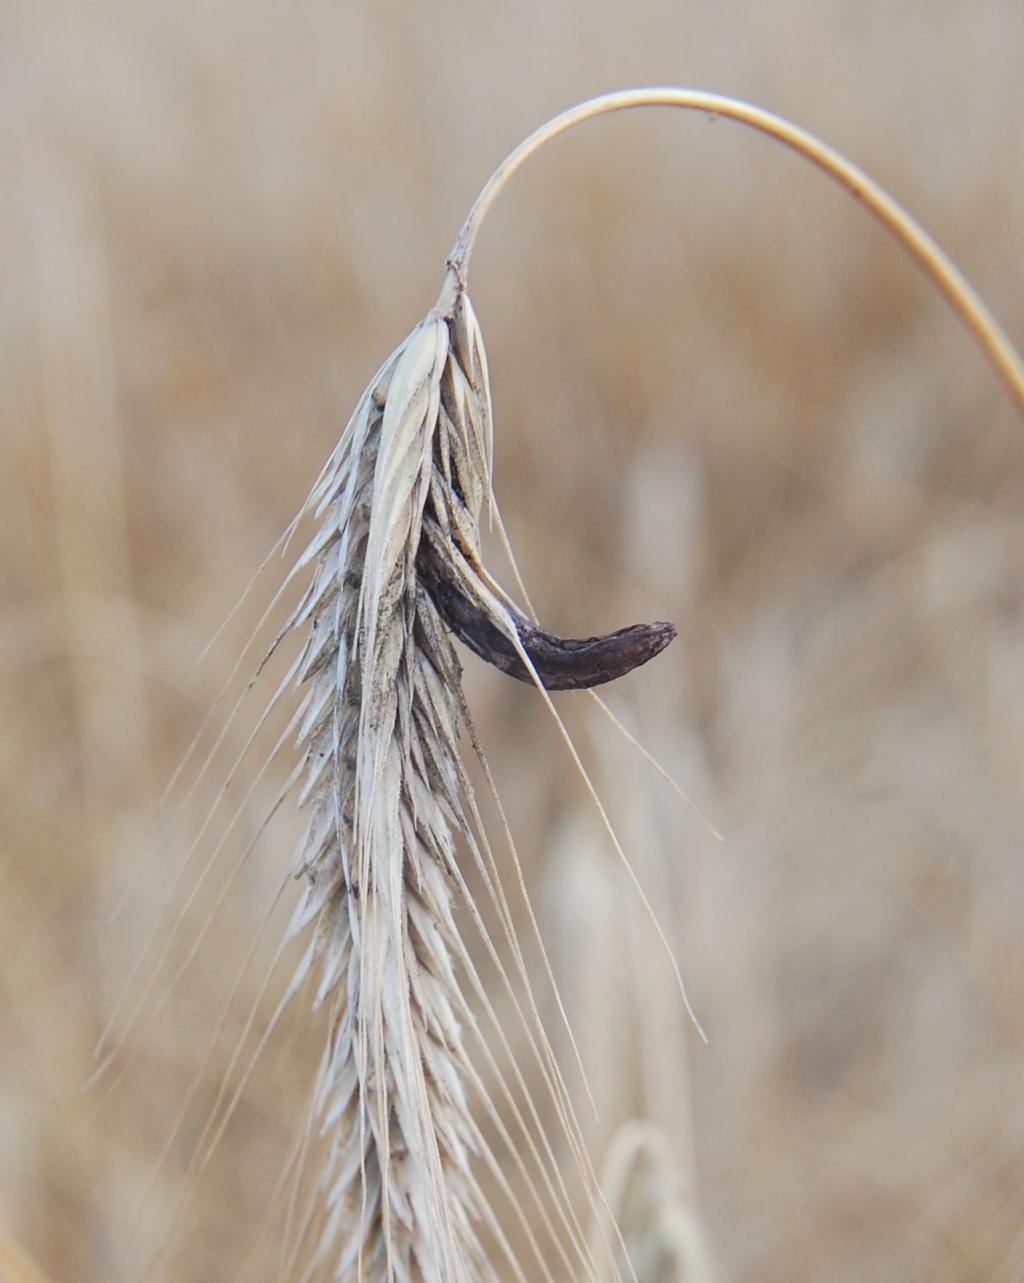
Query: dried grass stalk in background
[(662, 1237)]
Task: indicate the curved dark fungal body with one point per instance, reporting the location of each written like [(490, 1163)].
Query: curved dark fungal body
[(562, 663)]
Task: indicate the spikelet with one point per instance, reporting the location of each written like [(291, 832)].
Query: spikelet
[(383, 787)]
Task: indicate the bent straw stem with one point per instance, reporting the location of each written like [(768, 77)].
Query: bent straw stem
[(957, 290)]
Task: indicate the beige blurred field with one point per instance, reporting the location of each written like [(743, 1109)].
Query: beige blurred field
[(724, 398)]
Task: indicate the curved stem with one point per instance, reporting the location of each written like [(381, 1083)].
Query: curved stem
[(958, 292)]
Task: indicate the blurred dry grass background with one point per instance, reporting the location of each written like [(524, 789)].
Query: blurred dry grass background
[(723, 398)]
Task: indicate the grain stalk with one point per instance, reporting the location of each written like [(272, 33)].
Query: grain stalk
[(395, 570)]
